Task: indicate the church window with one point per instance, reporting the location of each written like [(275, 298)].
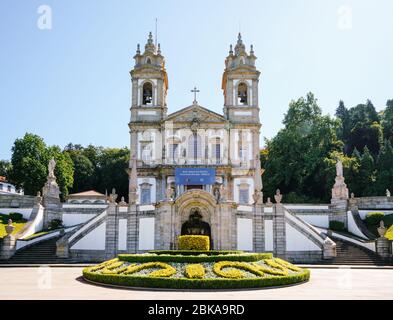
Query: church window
[(173, 150), (194, 146), (147, 94), (217, 150), (148, 61), (145, 194), (146, 152), (243, 195), (242, 94)]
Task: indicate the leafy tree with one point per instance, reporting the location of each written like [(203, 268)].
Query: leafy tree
[(297, 158), (343, 131), (362, 180), (83, 173), (5, 168), (384, 171), (387, 121), (29, 166)]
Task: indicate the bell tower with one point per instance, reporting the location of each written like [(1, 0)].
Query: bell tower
[(149, 84), (240, 85)]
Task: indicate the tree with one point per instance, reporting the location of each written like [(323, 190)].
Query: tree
[(301, 157), (364, 129), (83, 173), (29, 166), (384, 179), (362, 182), (387, 121), (5, 168), (343, 131)]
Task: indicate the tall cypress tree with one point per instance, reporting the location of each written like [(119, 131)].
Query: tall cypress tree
[(384, 169)]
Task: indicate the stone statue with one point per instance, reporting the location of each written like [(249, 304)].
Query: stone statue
[(339, 169), (113, 196), (195, 225), (169, 192), (381, 230), (223, 192), (278, 196), (51, 168), (256, 196), (387, 193), (9, 228), (122, 202)]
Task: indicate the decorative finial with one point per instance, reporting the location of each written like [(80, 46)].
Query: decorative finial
[(195, 90), (159, 49), (138, 49), (150, 40), (252, 49), (239, 38), (230, 50)]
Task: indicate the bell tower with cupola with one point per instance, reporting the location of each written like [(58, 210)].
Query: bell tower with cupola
[(149, 84), (240, 85)]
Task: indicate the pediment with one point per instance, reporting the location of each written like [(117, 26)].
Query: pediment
[(197, 112)]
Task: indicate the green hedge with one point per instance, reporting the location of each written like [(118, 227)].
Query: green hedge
[(194, 242), (15, 216), (196, 252), (248, 257), (336, 225), (182, 283), (373, 218)]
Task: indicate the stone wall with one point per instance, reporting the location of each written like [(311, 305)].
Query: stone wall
[(17, 201)]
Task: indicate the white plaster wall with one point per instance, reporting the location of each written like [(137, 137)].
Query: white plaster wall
[(25, 211), (122, 243), (237, 182), (269, 235), (296, 241), (151, 181), (352, 226), (72, 219), (146, 234), (94, 240), (244, 234), (315, 220)]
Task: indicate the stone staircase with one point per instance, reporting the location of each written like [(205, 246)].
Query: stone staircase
[(41, 253), (351, 254)]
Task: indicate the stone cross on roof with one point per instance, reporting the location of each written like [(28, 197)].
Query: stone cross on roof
[(195, 90)]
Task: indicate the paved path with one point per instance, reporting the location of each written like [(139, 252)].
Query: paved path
[(65, 283)]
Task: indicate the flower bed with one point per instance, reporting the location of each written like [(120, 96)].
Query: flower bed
[(245, 270)]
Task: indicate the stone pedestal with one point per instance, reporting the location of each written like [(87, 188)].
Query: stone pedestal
[(338, 211), (383, 247), (111, 235), (8, 248), (62, 249), (259, 241), (279, 234), (329, 249)]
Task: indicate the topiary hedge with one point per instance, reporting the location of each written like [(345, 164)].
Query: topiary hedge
[(195, 252), (181, 283), (15, 216), (247, 257), (373, 218), (336, 225), (194, 242)]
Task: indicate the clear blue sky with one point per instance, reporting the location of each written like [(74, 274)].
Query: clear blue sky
[(71, 83)]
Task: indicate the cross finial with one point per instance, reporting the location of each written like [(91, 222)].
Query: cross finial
[(195, 90)]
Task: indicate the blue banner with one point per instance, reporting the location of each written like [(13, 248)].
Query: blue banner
[(195, 176)]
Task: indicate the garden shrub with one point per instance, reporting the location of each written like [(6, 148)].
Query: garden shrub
[(389, 233), (193, 242), (195, 271), (55, 224), (249, 257), (373, 218), (15, 216), (165, 269), (336, 225), (232, 272), (196, 252)]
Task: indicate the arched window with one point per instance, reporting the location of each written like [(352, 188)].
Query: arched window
[(147, 95), (244, 195), (242, 94), (148, 61), (217, 150), (194, 146)]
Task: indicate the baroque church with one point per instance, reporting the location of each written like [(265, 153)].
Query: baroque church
[(193, 171)]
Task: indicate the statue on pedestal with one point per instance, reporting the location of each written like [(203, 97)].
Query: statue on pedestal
[(340, 190), (278, 196)]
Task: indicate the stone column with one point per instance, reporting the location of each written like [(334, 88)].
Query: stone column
[(132, 229), (8, 248), (51, 196), (259, 236), (383, 247), (111, 232), (279, 234)]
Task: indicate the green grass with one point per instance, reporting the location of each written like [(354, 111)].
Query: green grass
[(387, 219), (4, 221)]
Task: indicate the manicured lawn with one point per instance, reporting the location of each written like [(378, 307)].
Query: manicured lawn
[(4, 221)]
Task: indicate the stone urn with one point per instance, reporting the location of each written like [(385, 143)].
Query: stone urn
[(9, 228), (381, 229)]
